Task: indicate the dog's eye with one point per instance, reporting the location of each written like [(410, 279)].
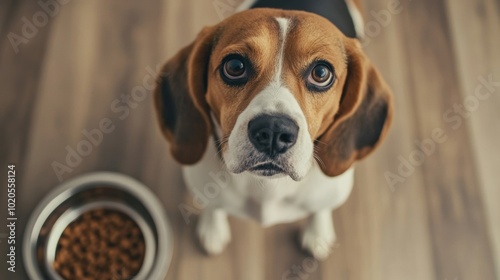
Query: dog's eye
[(321, 77), (234, 70)]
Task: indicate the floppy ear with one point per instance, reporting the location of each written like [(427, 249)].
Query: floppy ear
[(180, 100), (364, 115)]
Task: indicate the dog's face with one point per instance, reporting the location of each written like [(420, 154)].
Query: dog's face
[(280, 90)]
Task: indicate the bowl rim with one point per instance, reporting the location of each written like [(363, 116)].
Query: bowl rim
[(86, 181)]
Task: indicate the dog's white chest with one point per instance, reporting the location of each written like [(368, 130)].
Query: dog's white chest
[(269, 201)]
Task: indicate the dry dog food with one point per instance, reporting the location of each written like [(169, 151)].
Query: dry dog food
[(100, 244)]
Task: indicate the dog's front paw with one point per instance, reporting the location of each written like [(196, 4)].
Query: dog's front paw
[(213, 231), (319, 236), (319, 246)]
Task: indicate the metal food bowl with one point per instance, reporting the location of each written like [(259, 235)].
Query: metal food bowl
[(106, 190)]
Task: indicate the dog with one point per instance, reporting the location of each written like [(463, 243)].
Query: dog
[(279, 104)]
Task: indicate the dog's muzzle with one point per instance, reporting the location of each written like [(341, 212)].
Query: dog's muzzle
[(271, 136)]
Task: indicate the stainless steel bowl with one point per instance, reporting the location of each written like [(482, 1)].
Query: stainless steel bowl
[(97, 190)]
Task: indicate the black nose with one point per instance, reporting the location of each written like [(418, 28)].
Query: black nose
[(272, 134)]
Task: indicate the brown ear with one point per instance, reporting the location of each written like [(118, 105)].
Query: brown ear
[(180, 100), (364, 115)]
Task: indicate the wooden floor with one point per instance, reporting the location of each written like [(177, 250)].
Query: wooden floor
[(441, 221)]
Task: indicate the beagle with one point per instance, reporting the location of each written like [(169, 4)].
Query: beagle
[(279, 104)]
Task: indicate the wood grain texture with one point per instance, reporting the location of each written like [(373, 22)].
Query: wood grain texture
[(441, 222), (474, 21), (452, 191)]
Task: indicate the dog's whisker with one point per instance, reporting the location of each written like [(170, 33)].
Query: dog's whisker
[(320, 142), (221, 140), (318, 160), (218, 145)]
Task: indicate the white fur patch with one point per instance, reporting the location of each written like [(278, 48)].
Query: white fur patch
[(283, 24), (268, 201)]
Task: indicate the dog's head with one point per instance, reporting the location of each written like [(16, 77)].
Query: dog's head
[(280, 90)]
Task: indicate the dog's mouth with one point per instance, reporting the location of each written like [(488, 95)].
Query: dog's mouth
[(267, 169)]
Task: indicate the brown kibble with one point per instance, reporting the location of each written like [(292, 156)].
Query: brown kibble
[(114, 252), (64, 242), (115, 236), (78, 271), (87, 215), (135, 231), (100, 244), (98, 212), (125, 243)]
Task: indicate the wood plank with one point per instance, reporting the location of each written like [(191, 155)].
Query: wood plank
[(474, 26), (456, 215), (20, 75), (8, 11)]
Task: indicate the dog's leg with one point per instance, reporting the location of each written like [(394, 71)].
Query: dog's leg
[(319, 235), (213, 230)]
